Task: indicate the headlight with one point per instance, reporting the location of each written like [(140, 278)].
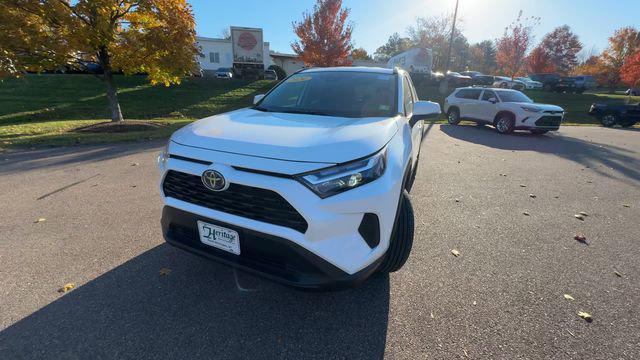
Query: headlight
[(531, 109), (340, 178), (164, 156)]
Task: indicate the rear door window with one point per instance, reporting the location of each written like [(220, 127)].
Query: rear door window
[(488, 94), (471, 94)]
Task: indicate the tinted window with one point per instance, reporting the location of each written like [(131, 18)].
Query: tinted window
[(488, 94), (408, 96), (335, 93), (472, 94), (513, 96)]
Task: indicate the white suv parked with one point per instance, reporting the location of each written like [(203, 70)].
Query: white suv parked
[(506, 109), (308, 187)]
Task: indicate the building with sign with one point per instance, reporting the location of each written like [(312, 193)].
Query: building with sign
[(243, 51)]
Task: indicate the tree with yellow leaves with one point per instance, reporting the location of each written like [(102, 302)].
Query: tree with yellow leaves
[(156, 37)]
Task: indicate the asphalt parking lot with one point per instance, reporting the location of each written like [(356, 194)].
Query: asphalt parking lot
[(501, 298)]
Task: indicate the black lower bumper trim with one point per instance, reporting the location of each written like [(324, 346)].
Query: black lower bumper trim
[(275, 258)]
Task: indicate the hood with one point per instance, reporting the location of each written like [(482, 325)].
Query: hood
[(292, 137), (543, 107)]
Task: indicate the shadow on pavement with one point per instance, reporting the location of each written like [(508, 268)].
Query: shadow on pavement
[(25, 160), (587, 153), (200, 310)]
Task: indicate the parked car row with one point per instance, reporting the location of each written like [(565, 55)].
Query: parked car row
[(542, 81), (228, 73)]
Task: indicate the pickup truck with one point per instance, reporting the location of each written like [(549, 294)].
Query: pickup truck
[(625, 115)]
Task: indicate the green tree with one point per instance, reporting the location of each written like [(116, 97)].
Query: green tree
[(156, 37), (434, 33), (394, 46), (482, 57)]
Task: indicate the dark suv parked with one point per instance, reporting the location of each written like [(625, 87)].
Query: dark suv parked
[(549, 81), (557, 83), (625, 115)]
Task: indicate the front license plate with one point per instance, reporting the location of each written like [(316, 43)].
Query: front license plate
[(219, 237)]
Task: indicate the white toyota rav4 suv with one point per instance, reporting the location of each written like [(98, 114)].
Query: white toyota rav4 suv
[(507, 110), (307, 187)]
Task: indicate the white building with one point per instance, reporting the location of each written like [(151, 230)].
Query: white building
[(290, 63), (217, 53)]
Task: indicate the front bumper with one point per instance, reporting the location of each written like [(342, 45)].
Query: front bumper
[(262, 254), (334, 229), (550, 122)]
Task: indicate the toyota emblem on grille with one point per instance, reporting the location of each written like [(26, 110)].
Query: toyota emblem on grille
[(214, 181)]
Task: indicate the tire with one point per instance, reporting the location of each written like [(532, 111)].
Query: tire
[(453, 116), (504, 85), (401, 237), (609, 120), (505, 124), (538, 131)]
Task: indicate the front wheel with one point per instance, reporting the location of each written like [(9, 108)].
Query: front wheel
[(453, 116), (401, 240), (505, 124), (608, 120)]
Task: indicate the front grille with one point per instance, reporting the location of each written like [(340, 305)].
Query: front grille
[(551, 121), (555, 112), (241, 200)]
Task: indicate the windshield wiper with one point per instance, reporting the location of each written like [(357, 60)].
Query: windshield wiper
[(260, 108), (306, 112)]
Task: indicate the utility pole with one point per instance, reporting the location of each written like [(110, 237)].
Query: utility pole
[(444, 84), (453, 31)]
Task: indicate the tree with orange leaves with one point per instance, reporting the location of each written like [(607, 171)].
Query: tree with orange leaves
[(512, 47), (539, 61), (630, 71), (324, 36)]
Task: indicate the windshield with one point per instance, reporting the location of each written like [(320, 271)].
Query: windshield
[(513, 96), (224, 69), (335, 93)]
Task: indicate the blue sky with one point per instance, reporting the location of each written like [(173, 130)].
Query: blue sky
[(375, 20)]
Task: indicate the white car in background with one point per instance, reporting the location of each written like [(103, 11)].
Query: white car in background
[(507, 110), (530, 84), (506, 83)]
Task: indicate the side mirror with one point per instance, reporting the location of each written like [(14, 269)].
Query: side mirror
[(493, 100), (425, 110), (257, 98)]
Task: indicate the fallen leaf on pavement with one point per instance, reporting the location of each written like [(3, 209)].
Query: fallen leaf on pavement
[(457, 200), (583, 213), (580, 238), (532, 196), (585, 315), (165, 271), (455, 252), (40, 220), (66, 287), (568, 297), (579, 217), (525, 213), (523, 185), (617, 273), (135, 164), (626, 205)]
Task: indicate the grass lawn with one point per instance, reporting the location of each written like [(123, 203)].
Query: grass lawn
[(47, 109)]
